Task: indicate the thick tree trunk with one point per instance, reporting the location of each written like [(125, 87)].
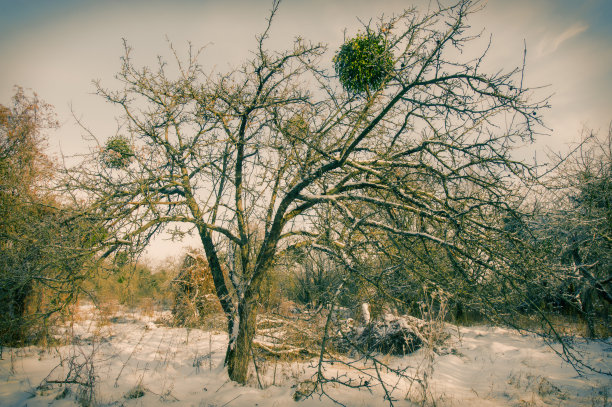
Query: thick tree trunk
[(241, 341), (242, 323)]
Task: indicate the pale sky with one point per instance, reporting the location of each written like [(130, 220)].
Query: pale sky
[(56, 48)]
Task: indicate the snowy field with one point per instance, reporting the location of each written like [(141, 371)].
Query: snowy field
[(133, 361)]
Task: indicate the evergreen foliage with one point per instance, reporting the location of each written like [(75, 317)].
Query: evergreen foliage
[(117, 152), (363, 63)]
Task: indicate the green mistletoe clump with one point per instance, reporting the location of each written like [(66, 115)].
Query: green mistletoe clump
[(363, 63), (117, 152)]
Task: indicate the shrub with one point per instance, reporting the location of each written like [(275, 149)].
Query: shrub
[(193, 289), (133, 285)]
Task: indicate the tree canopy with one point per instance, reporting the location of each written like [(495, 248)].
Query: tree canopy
[(276, 156)]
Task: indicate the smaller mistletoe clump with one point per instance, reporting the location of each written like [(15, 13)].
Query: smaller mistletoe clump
[(297, 126), (363, 63), (117, 152)]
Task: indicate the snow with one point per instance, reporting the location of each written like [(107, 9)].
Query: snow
[(365, 311), (138, 361)]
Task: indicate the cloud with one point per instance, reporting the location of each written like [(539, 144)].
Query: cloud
[(548, 46)]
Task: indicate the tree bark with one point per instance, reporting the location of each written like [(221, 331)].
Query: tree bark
[(223, 293), (239, 348)]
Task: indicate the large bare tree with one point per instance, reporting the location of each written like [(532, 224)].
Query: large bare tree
[(410, 139)]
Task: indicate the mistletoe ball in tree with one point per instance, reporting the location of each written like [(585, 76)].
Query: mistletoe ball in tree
[(363, 63), (117, 152)]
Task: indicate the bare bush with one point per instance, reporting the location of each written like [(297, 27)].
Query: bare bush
[(193, 288)]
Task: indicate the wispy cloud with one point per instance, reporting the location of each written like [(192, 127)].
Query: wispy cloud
[(573, 31), (550, 45)]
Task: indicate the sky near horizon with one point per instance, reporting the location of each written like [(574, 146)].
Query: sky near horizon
[(56, 48)]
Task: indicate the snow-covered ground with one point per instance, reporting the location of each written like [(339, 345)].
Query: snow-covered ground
[(132, 361)]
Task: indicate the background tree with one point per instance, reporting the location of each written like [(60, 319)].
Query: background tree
[(275, 156), (43, 244), (23, 165), (574, 230)]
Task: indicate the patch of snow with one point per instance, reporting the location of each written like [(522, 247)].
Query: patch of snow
[(160, 366), (365, 310)]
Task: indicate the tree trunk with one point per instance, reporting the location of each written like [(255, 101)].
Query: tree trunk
[(242, 323), (588, 310), (239, 349), (240, 343), (13, 320)]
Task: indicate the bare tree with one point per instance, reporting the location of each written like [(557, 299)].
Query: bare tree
[(257, 159), (574, 230)]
